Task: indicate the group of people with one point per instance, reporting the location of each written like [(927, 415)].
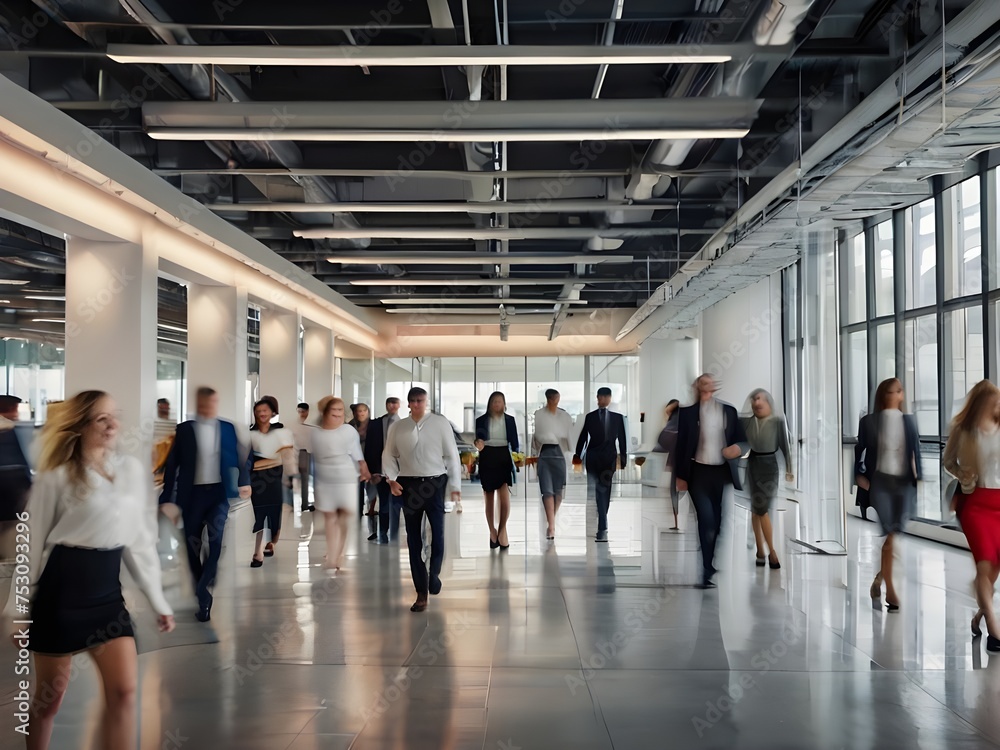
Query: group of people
[(89, 512)]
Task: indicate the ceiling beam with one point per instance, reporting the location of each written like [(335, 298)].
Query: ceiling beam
[(435, 55), (542, 205)]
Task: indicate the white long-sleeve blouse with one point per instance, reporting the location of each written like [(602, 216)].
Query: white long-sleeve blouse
[(119, 513)]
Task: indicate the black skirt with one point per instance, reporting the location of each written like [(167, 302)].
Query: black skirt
[(78, 604), (267, 499), (496, 468)]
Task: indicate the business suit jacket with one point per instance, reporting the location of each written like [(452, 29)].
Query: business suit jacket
[(178, 476), (689, 433), (375, 444), (596, 448), (866, 451), (483, 433)]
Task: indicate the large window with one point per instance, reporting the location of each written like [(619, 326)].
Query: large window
[(855, 280), (963, 248), (964, 356), (920, 367), (884, 270), (920, 256), (855, 379), (885, 352)]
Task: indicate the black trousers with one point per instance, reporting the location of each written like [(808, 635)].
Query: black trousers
[(207, 509), (305, 469), (424, 496), (599, 481), (384, 510), (707, 486)]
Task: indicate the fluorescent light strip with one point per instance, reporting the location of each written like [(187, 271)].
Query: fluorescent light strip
[(468, 311), (14, 282), (474, 233), (48, 320), (445, 136), (463, 259), (535, 206), (45, 297), (416, 55), (171, 328), (486, 301), (467, 282)]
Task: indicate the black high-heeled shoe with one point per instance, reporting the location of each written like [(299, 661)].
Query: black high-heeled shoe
[(494, 544), (992, 644), (892, 607), (759, 562)]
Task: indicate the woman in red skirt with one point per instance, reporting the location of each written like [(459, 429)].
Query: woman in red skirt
[(972, 455)]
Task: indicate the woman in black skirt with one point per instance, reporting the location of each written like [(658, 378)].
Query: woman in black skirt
[(90, 509), (271, 454), (496, 437)]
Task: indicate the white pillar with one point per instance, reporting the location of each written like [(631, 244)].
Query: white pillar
[(318, 361), (111, 331), (279, 360), (217, 347)]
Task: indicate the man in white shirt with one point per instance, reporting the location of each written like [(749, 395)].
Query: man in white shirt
[(551, 441), (300, 432), (421, 462), (710, 439)]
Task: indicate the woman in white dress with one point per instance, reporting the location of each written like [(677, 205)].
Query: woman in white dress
[(91, 509), (272, 456), (339, 465)]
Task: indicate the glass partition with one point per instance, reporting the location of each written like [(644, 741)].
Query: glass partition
[(33, 371)]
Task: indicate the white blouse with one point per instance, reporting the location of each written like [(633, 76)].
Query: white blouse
[(120, 513), (891, 443), (988, 446), (269, 444), (498, 432), (336, 454)]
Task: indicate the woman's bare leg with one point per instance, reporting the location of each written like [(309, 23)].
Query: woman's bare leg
[(258, 547), (52, 676), (488, 497), (503, 498), (119, 667)]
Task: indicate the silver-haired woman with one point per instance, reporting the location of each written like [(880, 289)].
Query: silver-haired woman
[(767, 433)]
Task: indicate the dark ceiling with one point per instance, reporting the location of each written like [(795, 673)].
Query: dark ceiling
[(654, 201)]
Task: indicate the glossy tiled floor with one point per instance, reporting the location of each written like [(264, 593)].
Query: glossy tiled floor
[(575, 646)]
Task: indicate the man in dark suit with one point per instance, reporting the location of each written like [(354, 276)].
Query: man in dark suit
[(602, 430), (710, 440), (202, 473), (378, 431)]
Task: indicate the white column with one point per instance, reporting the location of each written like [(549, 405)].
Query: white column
[(318, 362), (279, 360), (111, 331), (217, 347)]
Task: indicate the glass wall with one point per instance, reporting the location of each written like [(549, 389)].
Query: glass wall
[(33, 371), (946, 314)]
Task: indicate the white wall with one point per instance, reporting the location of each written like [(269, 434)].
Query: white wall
[(666, 370), (741, 342)]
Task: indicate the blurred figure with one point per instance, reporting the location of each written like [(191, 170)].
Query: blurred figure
[(667, 443), (551, 441), (15, 474), (164, 429), (302, 432), (710, 439), (496, 437), (972, 456), (767, 433), (271, 459), (388, 508), (340, 464), (887, 465), (203, 472), (603, 429), (89, 513), (367, 495)]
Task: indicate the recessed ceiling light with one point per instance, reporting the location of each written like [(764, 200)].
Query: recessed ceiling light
[(46, 297)]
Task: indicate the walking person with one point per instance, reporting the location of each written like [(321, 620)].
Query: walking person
[(710, 439), (340, 465), (272, 457), (887, 465), (603, 429), (972, 456), (366, 493), (421, 463), (89, 513), (667, 443), (302, 432), (496, 438), (388, 507), (551, 442), (767, 433), (15, 474), (202, 474)]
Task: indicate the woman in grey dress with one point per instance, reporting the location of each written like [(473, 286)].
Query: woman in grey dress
[(767, 434)]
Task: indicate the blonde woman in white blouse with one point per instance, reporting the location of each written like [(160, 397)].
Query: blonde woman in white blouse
[(90, 509)]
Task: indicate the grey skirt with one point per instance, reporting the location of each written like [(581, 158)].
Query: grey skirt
[(762, 481), (895, 501), (551, 470)]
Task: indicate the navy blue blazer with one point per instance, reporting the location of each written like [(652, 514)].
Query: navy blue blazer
[(689, 433), (178, 475), (866, 450), (375, 444), (598, 449)]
